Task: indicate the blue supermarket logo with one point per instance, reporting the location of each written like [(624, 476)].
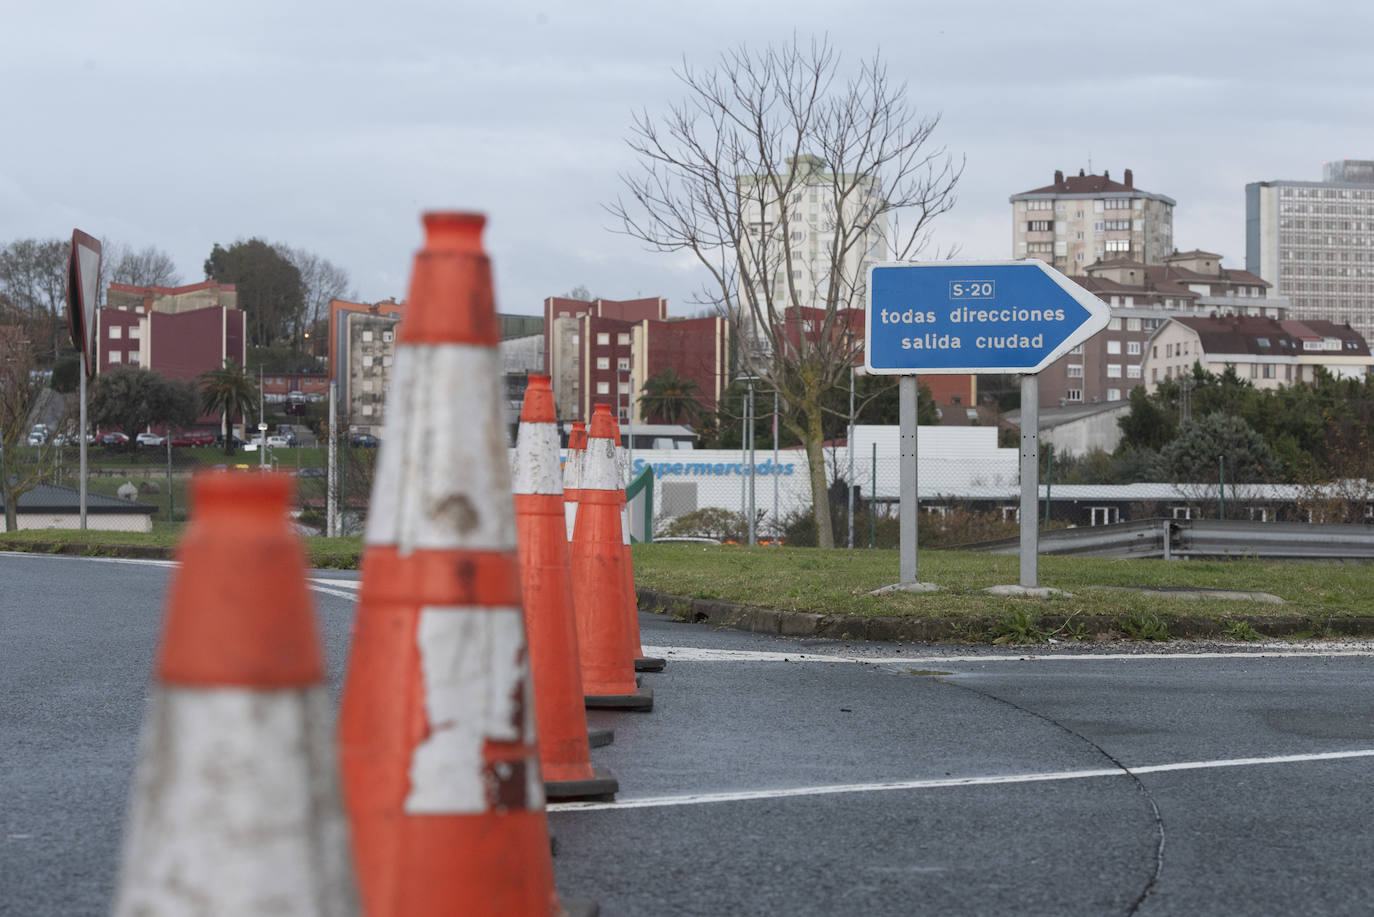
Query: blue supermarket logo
[(664, 469)]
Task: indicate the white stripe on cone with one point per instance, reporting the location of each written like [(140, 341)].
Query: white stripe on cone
[(572, 480), (536, 460), (599, 470), (473, 664), (440, 484), (236, 807)]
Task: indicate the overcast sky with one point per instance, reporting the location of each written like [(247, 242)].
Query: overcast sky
[(332, 126)]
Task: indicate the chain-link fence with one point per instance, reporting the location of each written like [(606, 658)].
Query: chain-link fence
[(143, 487)]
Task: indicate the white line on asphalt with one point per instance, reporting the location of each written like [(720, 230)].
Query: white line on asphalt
[(695, 654), (100, 560), (696, 799)]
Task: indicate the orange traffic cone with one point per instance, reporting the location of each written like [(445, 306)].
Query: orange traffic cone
[(598, 565), (572, 488), (235, 805), (642, 663), (547, 579), (572, 473), (437, 731)]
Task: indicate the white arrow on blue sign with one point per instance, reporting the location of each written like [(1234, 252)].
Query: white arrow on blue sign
[(975, 317)]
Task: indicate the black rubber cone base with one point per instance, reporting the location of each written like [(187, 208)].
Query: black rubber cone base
[(599, 737), (601, 786), (580, 907), (649, 664), (641, 701)]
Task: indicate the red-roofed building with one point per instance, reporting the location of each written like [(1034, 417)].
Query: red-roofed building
[(1142, 298), (179, 332), (604, 351), (1083, 218), (1267, 352)]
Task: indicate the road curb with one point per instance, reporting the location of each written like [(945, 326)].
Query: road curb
[(973, 629)]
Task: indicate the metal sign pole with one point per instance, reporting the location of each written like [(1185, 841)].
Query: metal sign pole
[(906, 410), (82, 437), (1030, 483), (331, 498)]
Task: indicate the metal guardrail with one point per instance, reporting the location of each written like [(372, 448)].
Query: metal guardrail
[(1202, 538)]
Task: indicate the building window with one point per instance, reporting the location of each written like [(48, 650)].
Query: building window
[(133, 333), (1133, 371), (1073, 394), (1075, 370), (623, 364), (389, 336), (1133, 347), (603, 339), (116, 332), (1133, 324), (1103, 515), (1113, 370), (133, 357), (603, 388), (1118, 246), (367, 337), (1113, 394), (1114, 324), (603, 362), (1113, 347), (623, 338), (1039, 225), (115, 356)]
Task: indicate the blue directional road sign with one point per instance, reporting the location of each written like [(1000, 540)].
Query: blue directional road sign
[(975, 317)]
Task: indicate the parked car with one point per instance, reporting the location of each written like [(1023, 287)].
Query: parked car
[(278, 442), (364, 441), (238, 441), (151, 439), (193, 438), (37, 438), (114, 438), (310, 472)]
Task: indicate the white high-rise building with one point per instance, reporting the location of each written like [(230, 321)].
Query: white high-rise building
[(792, 240), (1314, 241)]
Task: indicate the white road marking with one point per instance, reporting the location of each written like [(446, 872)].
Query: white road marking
[(695, 799), (1268, 651)]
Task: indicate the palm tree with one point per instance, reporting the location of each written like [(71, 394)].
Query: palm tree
[(670, 397), (227, 392)]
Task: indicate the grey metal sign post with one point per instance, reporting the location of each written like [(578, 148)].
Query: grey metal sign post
[(908, 392)]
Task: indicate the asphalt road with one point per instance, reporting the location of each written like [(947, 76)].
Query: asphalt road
[(804, 777)]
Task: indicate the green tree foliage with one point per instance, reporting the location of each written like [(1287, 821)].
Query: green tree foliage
[(131, 399), (230, 393), (1149, 425), (271, 291), (669, 398), (1197, 453), (1307, 428)]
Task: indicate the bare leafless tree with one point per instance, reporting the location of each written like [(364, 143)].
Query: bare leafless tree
[(20, 389), (785, 182), (323, 281), (147, 267)]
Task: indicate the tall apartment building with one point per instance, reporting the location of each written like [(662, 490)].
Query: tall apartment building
[(362, 346), (605, 351), (1083, 219), (1143, 298), (789, 239), (1314, 241)]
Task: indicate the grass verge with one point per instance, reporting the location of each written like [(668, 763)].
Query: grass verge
[(838, 583), (327, 553)]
